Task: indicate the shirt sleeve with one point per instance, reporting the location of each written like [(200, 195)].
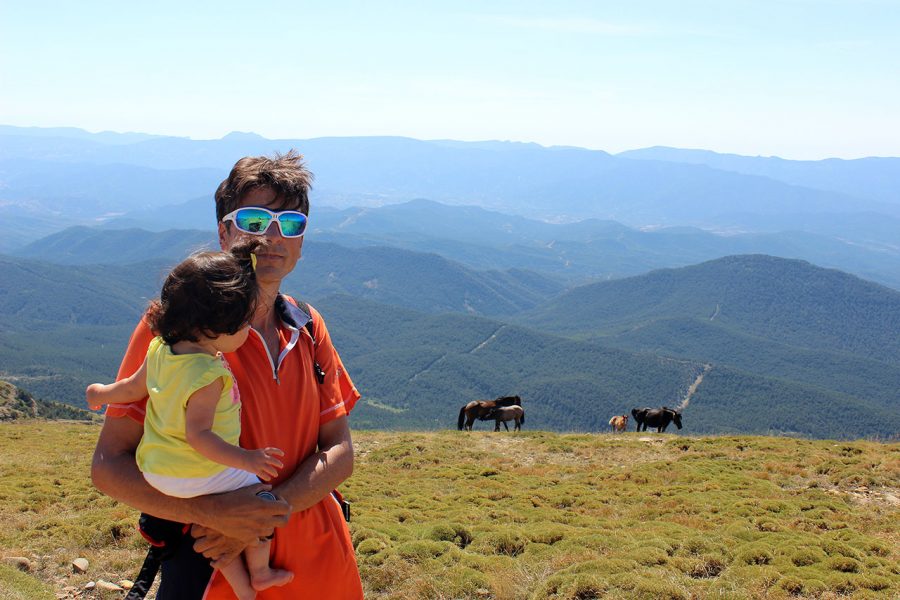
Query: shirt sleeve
[(131, 362), (337, 395)]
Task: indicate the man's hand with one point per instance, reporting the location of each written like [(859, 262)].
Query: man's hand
[(262, 462), (241, 514)]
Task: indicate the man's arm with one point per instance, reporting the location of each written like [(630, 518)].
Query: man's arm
[(322, 471), (314, 479), (239, 514)]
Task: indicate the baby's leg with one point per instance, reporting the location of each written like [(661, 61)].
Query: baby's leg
[(237, 576), (261, 576)]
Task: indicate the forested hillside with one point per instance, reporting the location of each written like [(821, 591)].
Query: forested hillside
[(787, 301), (604, 349), (16, 403)]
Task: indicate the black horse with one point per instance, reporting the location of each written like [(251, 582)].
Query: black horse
[(655, 417), (481, 410)]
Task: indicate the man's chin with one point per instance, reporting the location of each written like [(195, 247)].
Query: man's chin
[(265, 274)]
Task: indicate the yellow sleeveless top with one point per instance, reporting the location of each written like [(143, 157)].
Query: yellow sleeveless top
[(171, 379)]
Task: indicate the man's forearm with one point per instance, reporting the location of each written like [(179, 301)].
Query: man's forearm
[(322, 471)]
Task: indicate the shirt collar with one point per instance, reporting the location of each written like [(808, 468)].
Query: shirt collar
[(290, 314)]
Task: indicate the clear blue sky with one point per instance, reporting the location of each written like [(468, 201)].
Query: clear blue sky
[(792, 78)]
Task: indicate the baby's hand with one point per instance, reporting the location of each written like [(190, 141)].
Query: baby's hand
[(93, 394), (262, 462)]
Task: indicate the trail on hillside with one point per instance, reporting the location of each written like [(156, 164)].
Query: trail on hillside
[(693, 388), (487, 341), (443, 356)]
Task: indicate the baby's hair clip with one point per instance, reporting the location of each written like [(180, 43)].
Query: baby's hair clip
[(253, 261)]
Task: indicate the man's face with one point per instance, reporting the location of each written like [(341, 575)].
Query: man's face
[(278, 256)]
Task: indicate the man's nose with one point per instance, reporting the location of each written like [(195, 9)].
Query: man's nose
[(274, 231)]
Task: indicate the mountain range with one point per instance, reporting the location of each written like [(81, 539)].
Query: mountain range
[(43, 170), (585, 282), (573, 253)]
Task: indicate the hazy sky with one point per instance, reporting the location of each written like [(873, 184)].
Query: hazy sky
[(793, 78)]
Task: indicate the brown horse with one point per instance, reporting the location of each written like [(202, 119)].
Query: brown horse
[(619, 423), (481, 409), (502, 414)]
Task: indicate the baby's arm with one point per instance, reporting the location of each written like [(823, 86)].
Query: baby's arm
[(201, 410), (124, 391)]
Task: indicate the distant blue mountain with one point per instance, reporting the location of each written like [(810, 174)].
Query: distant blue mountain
[(561, 183), (486, 240), (876, 178)]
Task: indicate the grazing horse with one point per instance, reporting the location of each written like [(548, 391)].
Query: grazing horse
[(619, 422), (502, 414), (481, 409), (656, 417)]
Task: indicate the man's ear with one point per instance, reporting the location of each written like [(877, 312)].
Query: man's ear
[(223, 231)]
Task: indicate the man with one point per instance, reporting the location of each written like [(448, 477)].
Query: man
[(295, 396)]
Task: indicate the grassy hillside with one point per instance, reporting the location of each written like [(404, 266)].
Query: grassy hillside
[(526, 516)]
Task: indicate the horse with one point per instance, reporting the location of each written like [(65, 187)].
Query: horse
[(502, 414), (619, 422), (656, 417), (480, 409)]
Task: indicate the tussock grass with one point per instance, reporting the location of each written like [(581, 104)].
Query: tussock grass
[(533, 515)]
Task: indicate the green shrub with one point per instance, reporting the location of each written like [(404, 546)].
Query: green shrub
[(843, 564), (462, 582), (792, 585), (370, 546), (814, 587), (841, 584), (657, 589), (548, 533), (441, 533), (572, 586), (754, 554), (804, 557), (873, 582), (694, 546), (421, 550), (503, 542), (877, 548), (359, 534), (707, 566), (836, 548), (649, 556)]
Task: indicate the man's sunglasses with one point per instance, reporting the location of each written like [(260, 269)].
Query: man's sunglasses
[(256, 220)]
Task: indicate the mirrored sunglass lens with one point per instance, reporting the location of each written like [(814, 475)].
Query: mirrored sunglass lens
[(292, 224), (252, 221)]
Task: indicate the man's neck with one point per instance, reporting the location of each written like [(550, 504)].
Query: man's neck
[(265, 318)]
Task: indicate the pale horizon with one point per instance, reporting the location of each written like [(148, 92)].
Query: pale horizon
[(793, 79)]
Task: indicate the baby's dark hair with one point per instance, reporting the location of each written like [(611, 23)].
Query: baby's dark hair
[(210, 294)]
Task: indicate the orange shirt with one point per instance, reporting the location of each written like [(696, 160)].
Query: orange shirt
[(283, 406)]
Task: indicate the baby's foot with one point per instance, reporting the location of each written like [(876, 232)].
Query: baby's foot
[(271, 578)]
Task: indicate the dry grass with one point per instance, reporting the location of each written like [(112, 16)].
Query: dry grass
[(530, 515)]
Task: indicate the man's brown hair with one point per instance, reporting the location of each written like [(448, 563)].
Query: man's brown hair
[(285, 174)]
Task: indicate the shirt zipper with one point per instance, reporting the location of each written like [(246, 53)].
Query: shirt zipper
[(295, 335), (269, 355)]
